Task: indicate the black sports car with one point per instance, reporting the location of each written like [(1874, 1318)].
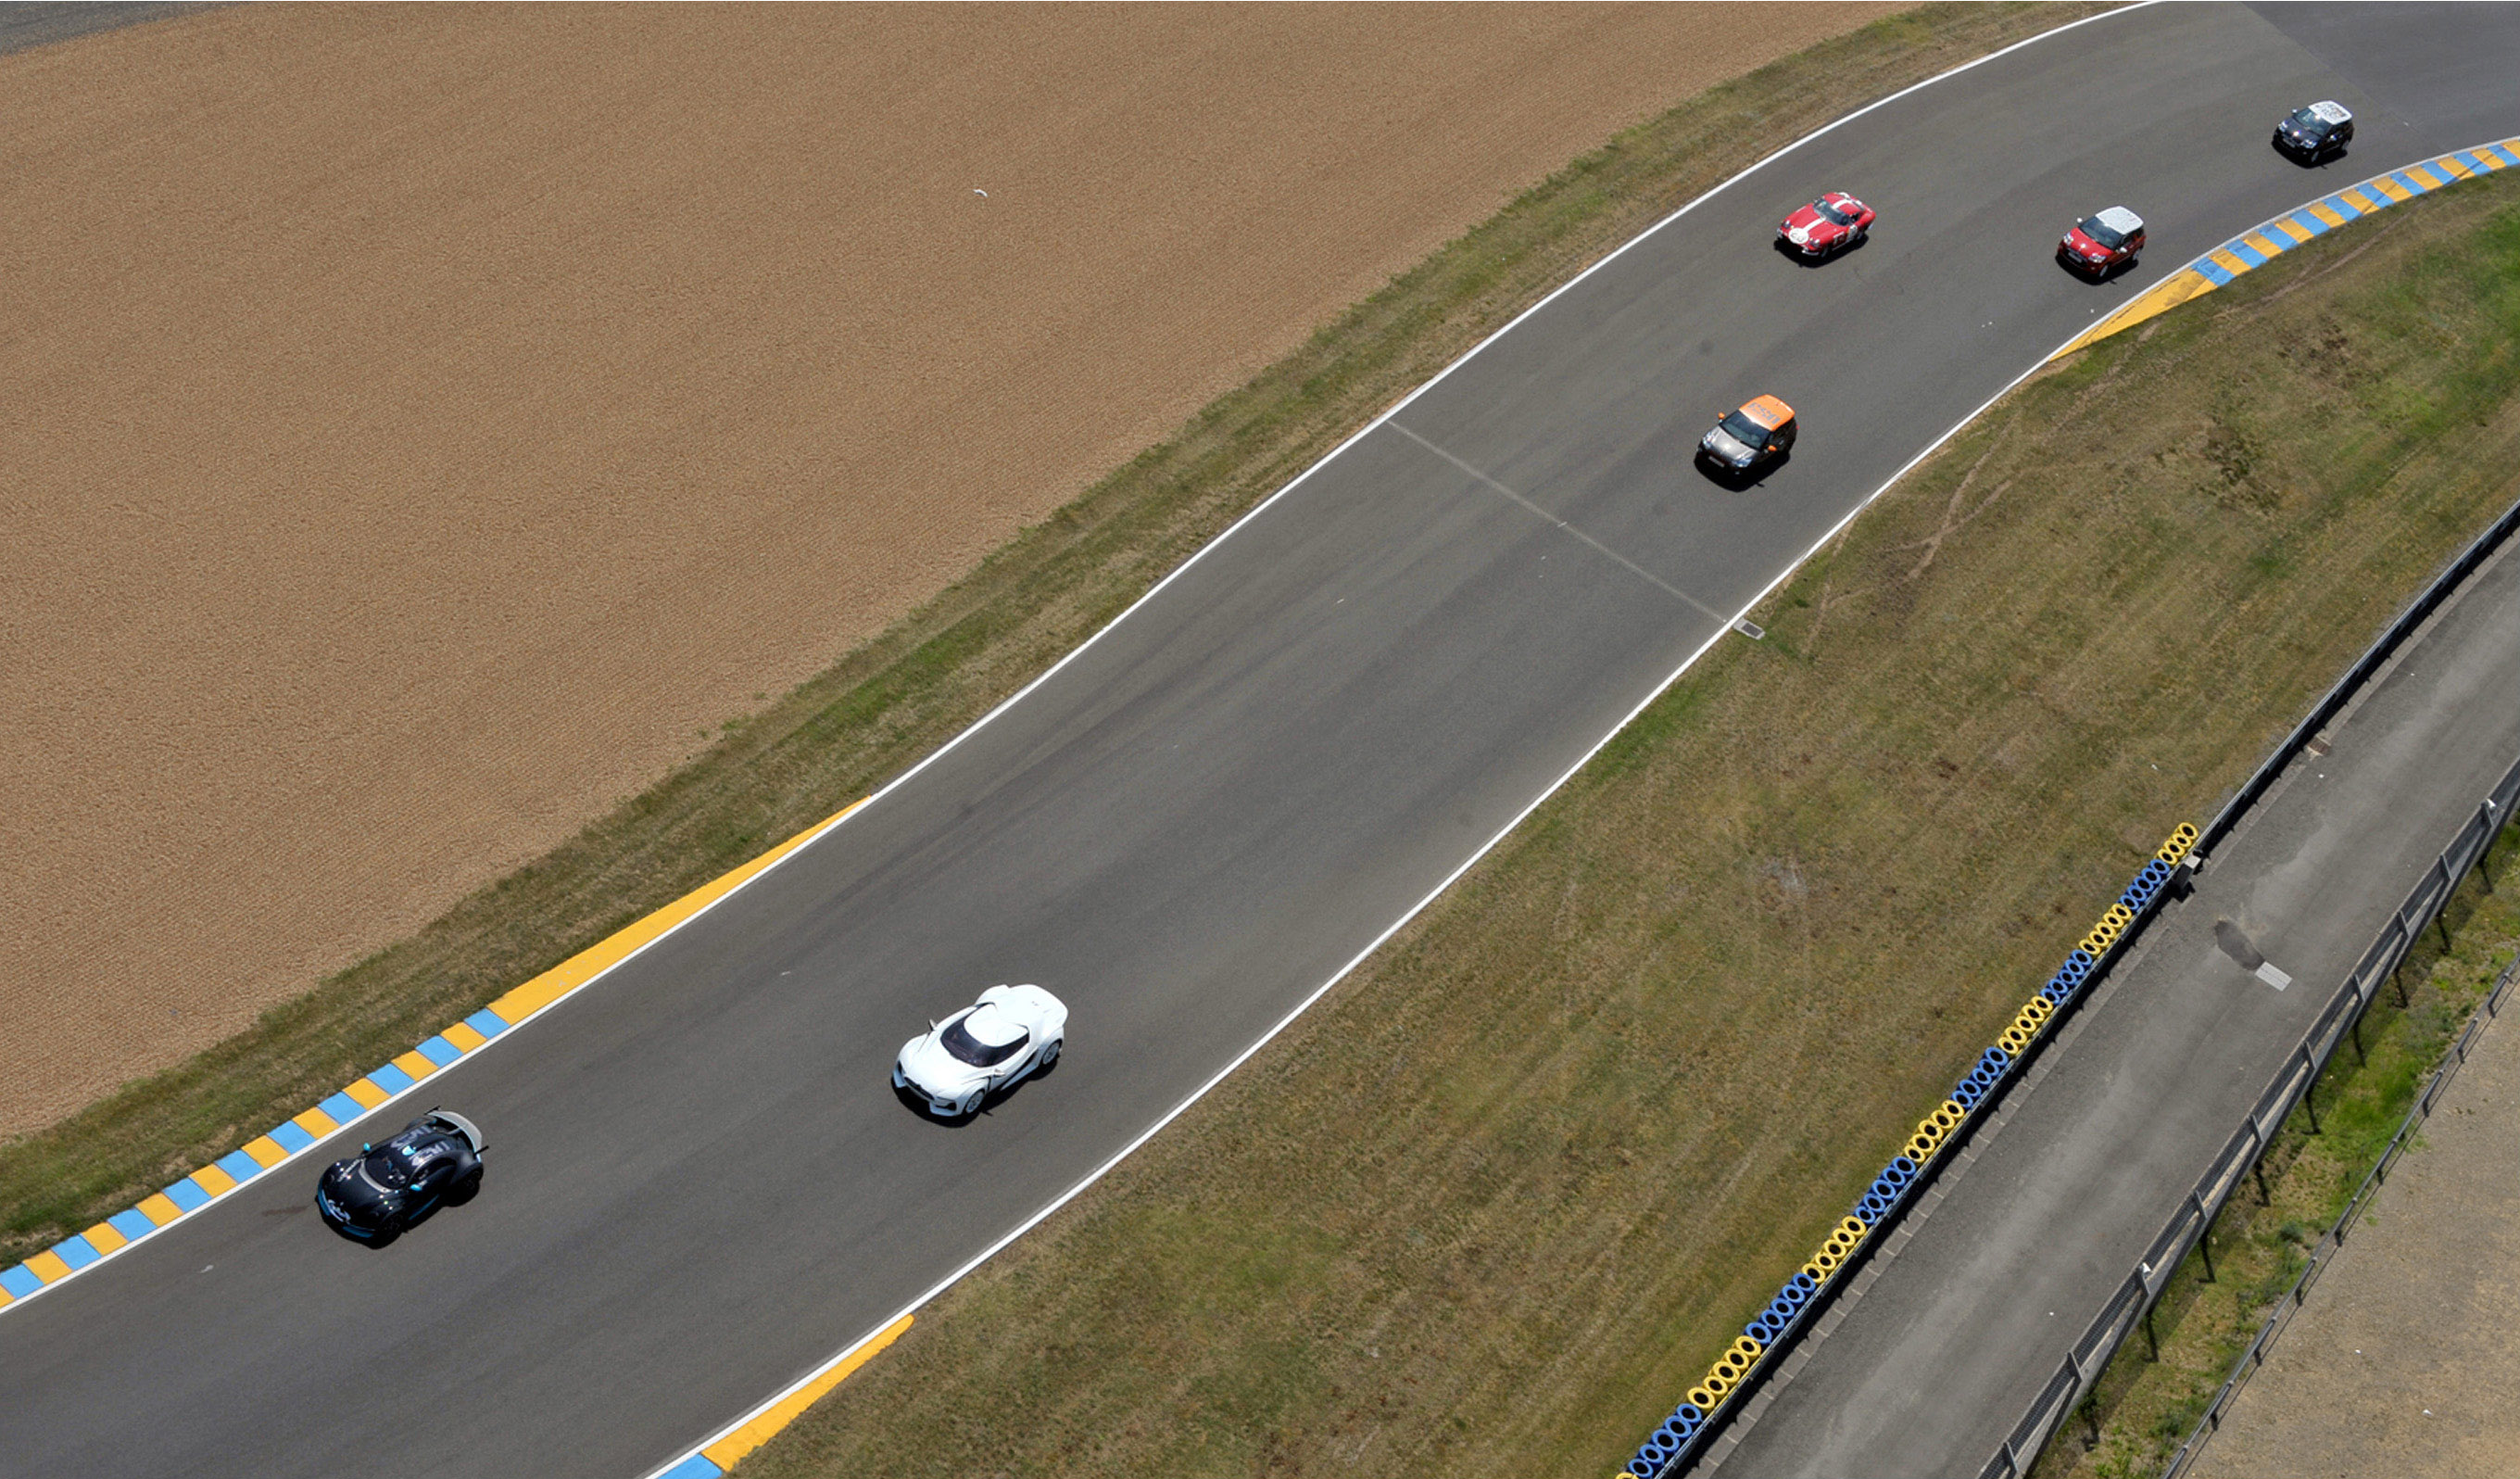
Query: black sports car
[(375, 1194)]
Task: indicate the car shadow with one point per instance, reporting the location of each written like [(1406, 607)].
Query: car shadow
[(2099, 279), (1808, 262), (1737, 480), (917, 1103), (2315, 162)]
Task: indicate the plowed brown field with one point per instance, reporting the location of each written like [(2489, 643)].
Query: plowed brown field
[(422, 423)]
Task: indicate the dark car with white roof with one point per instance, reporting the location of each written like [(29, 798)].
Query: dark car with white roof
[(2318, 132)]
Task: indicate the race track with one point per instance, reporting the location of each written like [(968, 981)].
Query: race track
[(700, 1185)]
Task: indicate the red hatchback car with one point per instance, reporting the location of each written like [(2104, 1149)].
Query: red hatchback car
[(2099, 244), (1826, 226)]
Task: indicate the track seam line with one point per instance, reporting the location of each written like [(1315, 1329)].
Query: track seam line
[(1641, 571)]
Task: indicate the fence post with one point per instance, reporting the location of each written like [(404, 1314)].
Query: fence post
[(2205, 1239)]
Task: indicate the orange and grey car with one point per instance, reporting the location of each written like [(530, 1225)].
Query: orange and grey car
[(1761, 431)]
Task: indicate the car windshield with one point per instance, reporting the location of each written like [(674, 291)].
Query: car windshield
[(387, 1169), (979, 1054), (2100, 231), (2311, 123), (1743, 429), (1834, 214)]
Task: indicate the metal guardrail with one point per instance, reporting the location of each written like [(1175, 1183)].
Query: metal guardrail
[(2281, 1316), (2289, 1090), (2451, 577)]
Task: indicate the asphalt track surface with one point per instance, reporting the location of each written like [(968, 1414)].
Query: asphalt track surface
[(700, 1186), (28, 24), (1978, 1297)]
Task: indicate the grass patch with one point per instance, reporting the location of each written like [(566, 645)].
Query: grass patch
[(1497, 1201), (2144, 1407), (843, 734)]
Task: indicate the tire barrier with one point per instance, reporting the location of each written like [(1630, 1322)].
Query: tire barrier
[(1681, 1435)]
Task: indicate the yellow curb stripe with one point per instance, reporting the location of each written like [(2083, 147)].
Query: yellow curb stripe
[(2231, 262), (514, 1009), (2362, 200), (2429, 173), (2265, 247), (2160, 298), (2294, 234), (2397, 194), (2321, 209), (761, 1430), (592, 962), (2449, 168)]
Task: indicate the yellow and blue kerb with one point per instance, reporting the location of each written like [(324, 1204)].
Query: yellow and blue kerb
[(1678, 1434), (2264, 242), (373, 1091)]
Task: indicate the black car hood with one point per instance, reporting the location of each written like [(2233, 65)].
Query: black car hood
[(354, 1193)]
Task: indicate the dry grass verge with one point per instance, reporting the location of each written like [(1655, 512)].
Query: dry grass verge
[(1492, 1206), (838, 737)]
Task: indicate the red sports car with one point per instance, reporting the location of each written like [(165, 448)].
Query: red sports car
[(2099, 242), (1826, 226)]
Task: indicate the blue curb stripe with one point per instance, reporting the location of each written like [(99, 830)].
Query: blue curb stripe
[(2471, 163), (131, 1223), (439, 1051), (342, 1109), (2308, 222), (695, 1466), (239, 1165), (77, 1252), (2245, 253), (2506, 156), (186, 1196), (291, 1136), (20, 1281), (2409, 181), (391, 1078), (2342, 206), (486, 1022), (2212, 271)]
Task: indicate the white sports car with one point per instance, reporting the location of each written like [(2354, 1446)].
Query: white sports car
[(959, 1062)]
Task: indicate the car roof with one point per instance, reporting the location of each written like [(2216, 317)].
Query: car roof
[(2330, 113), (1767, 411), (2120, 219), (988, 1023)]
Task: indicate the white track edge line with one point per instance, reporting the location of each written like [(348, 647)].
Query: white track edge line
[(1073, 1193)]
